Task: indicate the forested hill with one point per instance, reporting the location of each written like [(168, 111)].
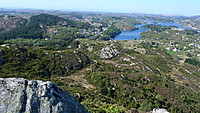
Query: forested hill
[(9, 23), (50, 20), (36, 27), (46, 30), (46, 19)]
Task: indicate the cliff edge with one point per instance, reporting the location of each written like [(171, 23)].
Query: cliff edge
[(19, 95)]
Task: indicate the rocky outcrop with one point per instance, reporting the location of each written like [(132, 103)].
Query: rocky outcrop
[(159, 110), (18, 95), (141, 50), (109, 52), (9, 23)]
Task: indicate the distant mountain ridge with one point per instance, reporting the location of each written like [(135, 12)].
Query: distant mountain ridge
[(196, 16), (35, 27)]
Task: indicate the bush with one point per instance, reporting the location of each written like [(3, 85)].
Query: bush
[(193, 62)]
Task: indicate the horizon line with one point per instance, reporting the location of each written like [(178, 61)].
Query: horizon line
[(47, 9)]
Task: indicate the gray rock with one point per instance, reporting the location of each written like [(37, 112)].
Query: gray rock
[(109, 52), (159, 110), (18, 95), (141, 50)]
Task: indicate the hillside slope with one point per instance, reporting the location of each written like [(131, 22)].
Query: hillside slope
[(9, 23), (110, 76)]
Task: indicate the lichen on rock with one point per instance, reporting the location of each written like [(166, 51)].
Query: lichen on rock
[(19, 95)]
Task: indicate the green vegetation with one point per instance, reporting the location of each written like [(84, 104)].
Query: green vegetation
[(1, 42), (184, 42), (30, 30), (170, 52), (132, 79), (159, 19), (111, 32), (190, 32), (127, 24), (158, 28), (141, 74), (9, 23), (37, 63), (46, 19), (55, 32), (193, 62), (35, 28)]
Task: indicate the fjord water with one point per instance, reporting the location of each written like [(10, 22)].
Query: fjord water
[(131, 35), (172, 24)]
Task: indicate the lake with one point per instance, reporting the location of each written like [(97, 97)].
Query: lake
[(131, 35)]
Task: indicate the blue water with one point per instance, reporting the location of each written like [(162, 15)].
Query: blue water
[(131, 35), (173, 24)]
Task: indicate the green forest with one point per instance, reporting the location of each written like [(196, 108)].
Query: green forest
[(105, 75)]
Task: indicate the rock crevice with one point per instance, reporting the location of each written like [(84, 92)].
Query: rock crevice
[(18, 95)]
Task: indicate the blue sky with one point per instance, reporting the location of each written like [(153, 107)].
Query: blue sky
[(166, 7)]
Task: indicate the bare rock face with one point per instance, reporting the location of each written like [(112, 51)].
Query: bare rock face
[(159, 110), (109, 52), (18, 95)]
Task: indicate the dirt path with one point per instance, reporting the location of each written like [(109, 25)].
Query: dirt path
[(81, 79)]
